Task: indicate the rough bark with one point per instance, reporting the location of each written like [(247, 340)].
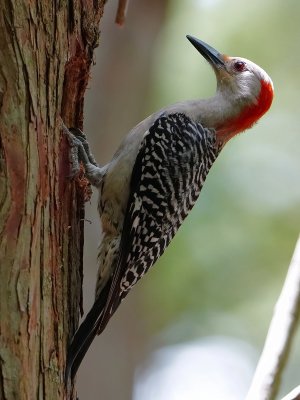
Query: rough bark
[(46, 51)]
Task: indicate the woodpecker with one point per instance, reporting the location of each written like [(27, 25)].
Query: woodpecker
[(155, 177)]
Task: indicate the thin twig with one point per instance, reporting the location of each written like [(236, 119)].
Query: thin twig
[(281, 331), (121, 12)]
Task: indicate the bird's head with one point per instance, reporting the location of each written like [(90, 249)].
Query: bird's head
[(246, 89)]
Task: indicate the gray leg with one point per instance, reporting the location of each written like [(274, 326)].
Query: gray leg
[(80, 152), (81, 136)]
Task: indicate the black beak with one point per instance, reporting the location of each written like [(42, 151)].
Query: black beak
[(208, 52)]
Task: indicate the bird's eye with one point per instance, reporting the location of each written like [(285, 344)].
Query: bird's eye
[(239, 66)]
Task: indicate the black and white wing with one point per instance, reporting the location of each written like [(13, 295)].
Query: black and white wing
[(173, 161)]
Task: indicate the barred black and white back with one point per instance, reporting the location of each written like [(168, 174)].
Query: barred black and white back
[(172, 163), (171, 166)]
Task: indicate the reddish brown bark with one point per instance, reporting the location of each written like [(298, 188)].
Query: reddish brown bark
[(46, 51)]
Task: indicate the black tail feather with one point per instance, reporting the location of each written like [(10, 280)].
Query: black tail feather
[(85, 335)]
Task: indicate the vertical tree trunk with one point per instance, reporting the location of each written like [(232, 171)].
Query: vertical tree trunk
[(46, 50)]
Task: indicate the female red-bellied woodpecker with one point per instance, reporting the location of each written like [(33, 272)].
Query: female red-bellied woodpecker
[(155, 177)]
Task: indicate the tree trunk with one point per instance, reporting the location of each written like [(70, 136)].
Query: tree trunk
[(46, 50)]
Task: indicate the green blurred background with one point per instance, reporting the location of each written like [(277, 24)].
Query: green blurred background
[(222, 274)]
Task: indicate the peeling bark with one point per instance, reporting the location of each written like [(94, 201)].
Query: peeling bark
[(46, 51)]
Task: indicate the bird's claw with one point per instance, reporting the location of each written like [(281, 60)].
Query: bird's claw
[(79, 150), (80, 136), (74, 156), (73, 153)]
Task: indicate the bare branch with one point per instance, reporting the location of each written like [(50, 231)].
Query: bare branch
[(293, 395), (121, 12), (282, 328)]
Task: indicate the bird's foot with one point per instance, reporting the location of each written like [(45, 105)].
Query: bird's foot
[(81, 136), (79, 150)]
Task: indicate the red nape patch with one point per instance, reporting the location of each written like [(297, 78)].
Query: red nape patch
[(251, 114)]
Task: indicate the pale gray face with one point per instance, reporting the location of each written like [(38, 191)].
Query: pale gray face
[(237, 78), (241, 78)]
